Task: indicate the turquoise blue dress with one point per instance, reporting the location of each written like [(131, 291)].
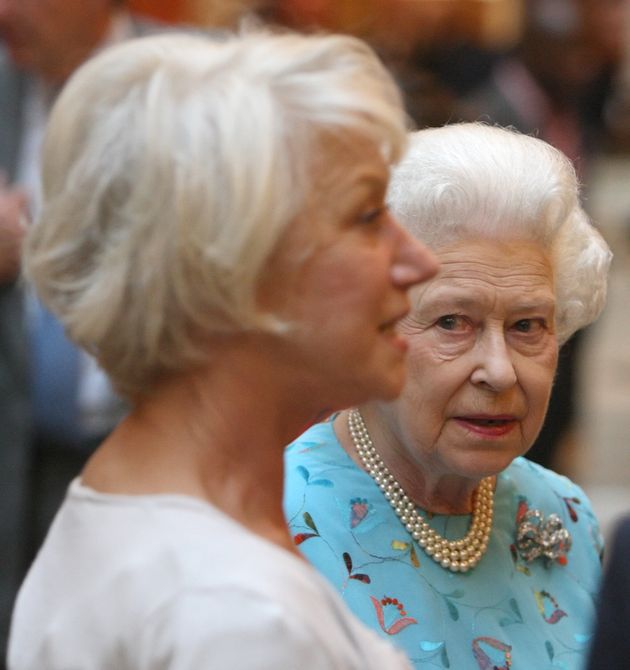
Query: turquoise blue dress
[(505, 613)]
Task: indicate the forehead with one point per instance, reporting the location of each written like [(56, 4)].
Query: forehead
[(341, 161), (473, 272)]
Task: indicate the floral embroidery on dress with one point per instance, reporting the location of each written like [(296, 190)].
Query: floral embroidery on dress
[(398, 545), (555, 614), (359, 576), (433, 649), (570, 508), (504, 614), (359, 509), (318, 481), (400, 622), (302, 537), (490, 647)]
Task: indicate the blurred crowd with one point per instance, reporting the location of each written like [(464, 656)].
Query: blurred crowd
[(559, 69)]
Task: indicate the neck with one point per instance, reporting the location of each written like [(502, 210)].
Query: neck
[(217, 434), (430, 489)]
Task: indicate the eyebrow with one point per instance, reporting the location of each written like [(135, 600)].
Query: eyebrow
[(372, 180), (464, 302)]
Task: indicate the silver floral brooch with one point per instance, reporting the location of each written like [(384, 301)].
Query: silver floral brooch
[(537, 537)]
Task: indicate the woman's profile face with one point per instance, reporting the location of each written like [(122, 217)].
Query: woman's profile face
[(340, 276), (482, 357)]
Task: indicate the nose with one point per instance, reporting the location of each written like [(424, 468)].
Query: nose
[(414, 262), (494, 367)]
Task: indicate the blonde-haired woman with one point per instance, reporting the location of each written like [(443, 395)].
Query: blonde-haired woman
[(214, 231)]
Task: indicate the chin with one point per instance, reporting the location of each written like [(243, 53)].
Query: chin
[(382, 389), (484, 464), (388, 389)]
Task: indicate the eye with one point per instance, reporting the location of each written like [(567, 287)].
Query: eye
[(530, 326), (373, 215), (526, 325), (452, 322)]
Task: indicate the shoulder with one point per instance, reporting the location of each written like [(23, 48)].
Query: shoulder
[(533, 486), (317, 436), (313, 456), (190, 593), (530, 477), (243, 628), (228, 626)]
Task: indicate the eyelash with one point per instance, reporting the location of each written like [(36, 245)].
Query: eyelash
[(533, 323), (455, 319), (373, 215)]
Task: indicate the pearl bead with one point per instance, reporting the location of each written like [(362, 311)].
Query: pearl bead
[(455, 555)]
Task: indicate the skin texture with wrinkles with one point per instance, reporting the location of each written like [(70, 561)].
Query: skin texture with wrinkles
[(482, 346)]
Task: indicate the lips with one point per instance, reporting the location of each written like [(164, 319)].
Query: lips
[(488, 425)]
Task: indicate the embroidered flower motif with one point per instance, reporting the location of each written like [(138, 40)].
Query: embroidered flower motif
[(400, 623), (482, 656), (536, 537), (310, 481), (302, 537), (569, 502), (359, 576), (556, 613), (359, 509), (398, 545)]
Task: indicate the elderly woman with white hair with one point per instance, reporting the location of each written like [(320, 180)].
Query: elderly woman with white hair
[(214, 231), (422, 511)]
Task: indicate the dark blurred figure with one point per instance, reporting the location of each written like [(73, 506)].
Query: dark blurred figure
[(556, 85), (43, 442), (610, 648), (400, 31)]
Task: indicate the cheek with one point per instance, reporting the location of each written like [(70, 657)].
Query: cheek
[(426, 395), (537, 382)]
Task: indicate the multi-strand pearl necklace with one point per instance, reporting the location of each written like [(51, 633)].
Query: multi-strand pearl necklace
[(455, 555)]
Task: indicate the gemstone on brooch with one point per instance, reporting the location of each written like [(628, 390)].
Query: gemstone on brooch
[(539, 537)]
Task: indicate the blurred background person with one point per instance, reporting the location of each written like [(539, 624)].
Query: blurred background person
[(610, 646), (237, 276), (55, 404)]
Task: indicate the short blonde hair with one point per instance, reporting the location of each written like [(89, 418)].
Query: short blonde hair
[(470, 180), (172, 165)]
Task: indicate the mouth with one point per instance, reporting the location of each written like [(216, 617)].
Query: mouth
[(488, 426)]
